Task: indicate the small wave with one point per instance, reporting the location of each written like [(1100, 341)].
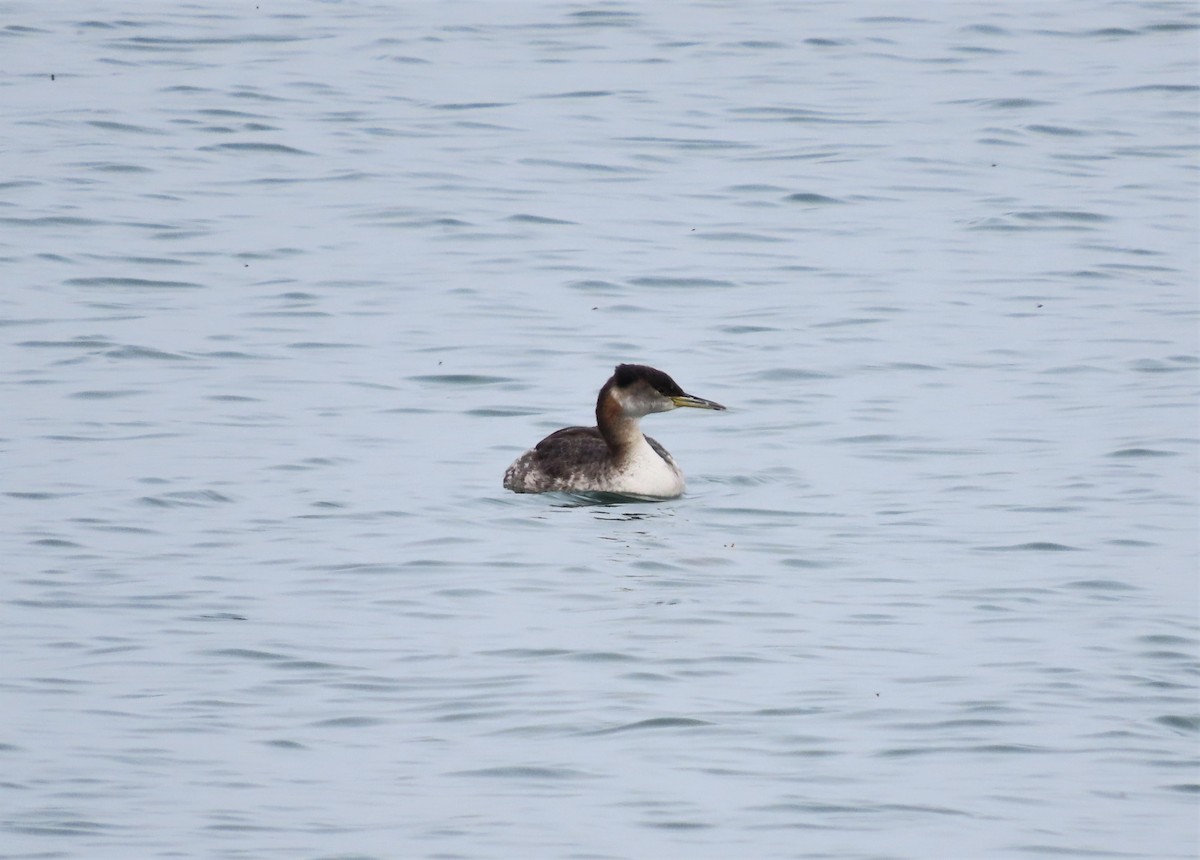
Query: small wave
[(1142, 452), (459, 379), (85, 342), (688, 143), (812, 199), (1150, 365), (654, 723), (1056, 130), (604, 18), (789, 374), (131, 351), (245, 654), (594, 286), (315, 344), (686, 283), (1101, 585), (1032, 546), (588, 166), (277, 148), (523, 772), (104, 395), (1181, 723), (137, 283), (186, 499), (536, 219), (470, 105), (578, 94), (52, 221), (348, 722), (1061, 215), (107, 125)]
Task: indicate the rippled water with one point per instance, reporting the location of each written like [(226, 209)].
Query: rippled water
[(286, 287)]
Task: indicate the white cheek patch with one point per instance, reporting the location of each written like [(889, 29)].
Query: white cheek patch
[(631, 402), (642, 400)]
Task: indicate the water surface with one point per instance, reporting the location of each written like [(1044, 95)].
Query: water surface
[(286, 289)]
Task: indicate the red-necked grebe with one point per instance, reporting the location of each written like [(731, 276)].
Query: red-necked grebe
[(613, 456)]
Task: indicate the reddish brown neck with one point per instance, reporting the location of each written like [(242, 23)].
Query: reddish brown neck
[(620, 432)]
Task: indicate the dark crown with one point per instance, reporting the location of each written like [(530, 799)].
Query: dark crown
[(628, 374)]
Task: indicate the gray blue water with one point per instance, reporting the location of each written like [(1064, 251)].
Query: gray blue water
[(285, 287)]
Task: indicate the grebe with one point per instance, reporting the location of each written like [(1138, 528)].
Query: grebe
[(613, 456)]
